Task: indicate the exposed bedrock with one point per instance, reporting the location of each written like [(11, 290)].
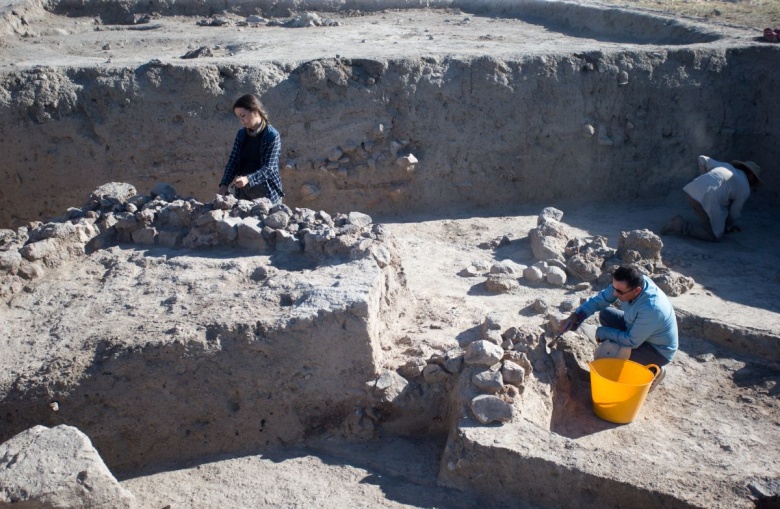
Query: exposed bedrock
[(395, 135)]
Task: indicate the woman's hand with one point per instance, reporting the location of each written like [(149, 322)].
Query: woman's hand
[(240, 181)]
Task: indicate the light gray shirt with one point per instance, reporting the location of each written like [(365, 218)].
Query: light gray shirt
[(722, 192)]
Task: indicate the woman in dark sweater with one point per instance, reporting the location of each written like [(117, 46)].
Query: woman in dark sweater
[(253, 166)]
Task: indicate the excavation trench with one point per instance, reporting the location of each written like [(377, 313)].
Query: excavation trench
[(150, 354), (164, 354), (495, 110)]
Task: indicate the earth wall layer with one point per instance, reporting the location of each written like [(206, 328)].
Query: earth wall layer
[(610, 117)]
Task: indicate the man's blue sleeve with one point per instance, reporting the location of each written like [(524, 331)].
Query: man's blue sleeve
[(601, 300)]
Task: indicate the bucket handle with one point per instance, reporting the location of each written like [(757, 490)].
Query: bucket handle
[(657, 369)]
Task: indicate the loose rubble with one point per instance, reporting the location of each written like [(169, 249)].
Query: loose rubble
[(116, 214), (565, 260), (489, 409), (498, 364), (771, 34)]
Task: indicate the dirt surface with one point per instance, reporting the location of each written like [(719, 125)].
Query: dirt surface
[(717, 413), (757, 14), (707, 433), (54, 40), (393, 473)]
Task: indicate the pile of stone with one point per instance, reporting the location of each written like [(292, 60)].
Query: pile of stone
[(497, 367), (306, 20), (116, 214), (491, 371), (563, 258)]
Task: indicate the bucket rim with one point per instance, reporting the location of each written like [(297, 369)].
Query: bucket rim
[(593, 368)]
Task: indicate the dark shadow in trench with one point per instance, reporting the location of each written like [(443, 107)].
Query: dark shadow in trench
[(754, 375), (572, 414)]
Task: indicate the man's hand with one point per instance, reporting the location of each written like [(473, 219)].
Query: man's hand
[(223, 190), (573, 322)]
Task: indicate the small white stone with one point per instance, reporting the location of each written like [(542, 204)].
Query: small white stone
[(588, 130)]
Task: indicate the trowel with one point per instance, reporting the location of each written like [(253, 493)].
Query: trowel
[(587, 329), (548, 346)]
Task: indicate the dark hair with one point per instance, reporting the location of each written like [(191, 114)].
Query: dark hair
[(630, 274), (252, 103)]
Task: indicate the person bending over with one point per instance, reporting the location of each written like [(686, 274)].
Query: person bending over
[(253, 165), (717, 196)]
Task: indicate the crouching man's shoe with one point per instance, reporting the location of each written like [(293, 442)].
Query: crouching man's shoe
[(674, 227), (658, 378)]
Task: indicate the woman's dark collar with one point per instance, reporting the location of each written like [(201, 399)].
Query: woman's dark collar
[(257, 131)]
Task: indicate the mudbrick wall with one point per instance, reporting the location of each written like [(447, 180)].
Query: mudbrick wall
[(282, 358), (596, 125)]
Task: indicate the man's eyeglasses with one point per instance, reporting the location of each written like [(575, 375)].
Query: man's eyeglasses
[(623, 292)]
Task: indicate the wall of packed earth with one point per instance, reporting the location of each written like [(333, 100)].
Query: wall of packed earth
[(398, 135)]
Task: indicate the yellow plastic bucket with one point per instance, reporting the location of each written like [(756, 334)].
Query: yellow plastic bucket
[(618, 388)]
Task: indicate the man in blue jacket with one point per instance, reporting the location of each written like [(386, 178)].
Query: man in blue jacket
[(643, 330)]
